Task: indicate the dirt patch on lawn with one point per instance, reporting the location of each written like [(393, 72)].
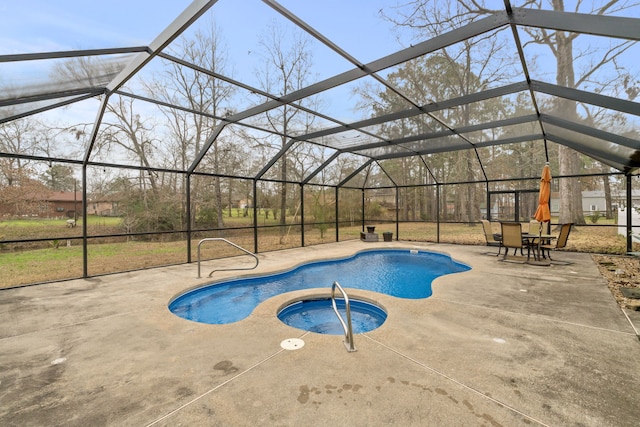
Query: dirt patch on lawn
[(621, 272)]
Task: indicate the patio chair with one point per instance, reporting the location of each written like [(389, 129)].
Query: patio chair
[(512, 238), (534, 227), (561, 241), (491, 238)]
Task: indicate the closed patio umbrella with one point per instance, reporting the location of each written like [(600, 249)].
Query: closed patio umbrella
[(543, 214)]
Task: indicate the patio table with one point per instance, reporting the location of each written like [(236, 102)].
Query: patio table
[(531, 238)]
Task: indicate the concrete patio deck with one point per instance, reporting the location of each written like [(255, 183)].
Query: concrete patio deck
[(505, 344)]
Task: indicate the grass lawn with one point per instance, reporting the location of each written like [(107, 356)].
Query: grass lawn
[(62, 259)]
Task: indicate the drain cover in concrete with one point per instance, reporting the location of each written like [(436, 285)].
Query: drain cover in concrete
[(633, 293), (292, 344)]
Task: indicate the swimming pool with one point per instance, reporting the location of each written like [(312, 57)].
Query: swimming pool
[(402, 273)]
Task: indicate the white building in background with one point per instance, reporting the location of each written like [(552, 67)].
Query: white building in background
[(594, 201), (622, 223)]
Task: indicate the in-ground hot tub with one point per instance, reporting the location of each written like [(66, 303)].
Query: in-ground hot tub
[(317, 315)]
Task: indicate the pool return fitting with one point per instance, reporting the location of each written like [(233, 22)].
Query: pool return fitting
[(232, 244), (348, 330)]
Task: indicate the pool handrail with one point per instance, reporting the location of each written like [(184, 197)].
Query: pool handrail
[(209, 239), (348, 330)]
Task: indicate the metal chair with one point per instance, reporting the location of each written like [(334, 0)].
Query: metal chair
[(490, 237), (561, 241), (512, 238)]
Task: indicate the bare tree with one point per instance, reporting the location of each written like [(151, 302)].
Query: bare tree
[(426, 16), (198, 91), (16, 137), (287, 63), (21, 193), (127, 129), (561, 45), (131, 132)]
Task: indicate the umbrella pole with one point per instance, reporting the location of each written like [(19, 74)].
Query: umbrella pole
[(538, 261), (539, 239)]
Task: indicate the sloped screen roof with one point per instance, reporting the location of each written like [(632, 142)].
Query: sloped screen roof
[(329, 83)]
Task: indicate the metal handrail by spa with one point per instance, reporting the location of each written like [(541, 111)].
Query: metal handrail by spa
[(348, 330), (232, 244)]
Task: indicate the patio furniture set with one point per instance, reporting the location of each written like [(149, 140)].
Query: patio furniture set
[(513, 237)]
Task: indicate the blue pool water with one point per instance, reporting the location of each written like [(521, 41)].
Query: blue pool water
[(397, 272), (317, 315)]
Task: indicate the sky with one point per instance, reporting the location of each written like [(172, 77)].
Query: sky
[(50, 25), (34, 26), (43, 25), (53, 25), (356, 26)]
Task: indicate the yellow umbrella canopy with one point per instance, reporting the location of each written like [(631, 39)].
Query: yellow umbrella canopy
[(543, 214)]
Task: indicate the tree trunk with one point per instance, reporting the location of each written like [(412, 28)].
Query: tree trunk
[(405, 195), (283, 198), (607, 197), (570, 188), (283, 193), (218, 198), (472, 206)]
